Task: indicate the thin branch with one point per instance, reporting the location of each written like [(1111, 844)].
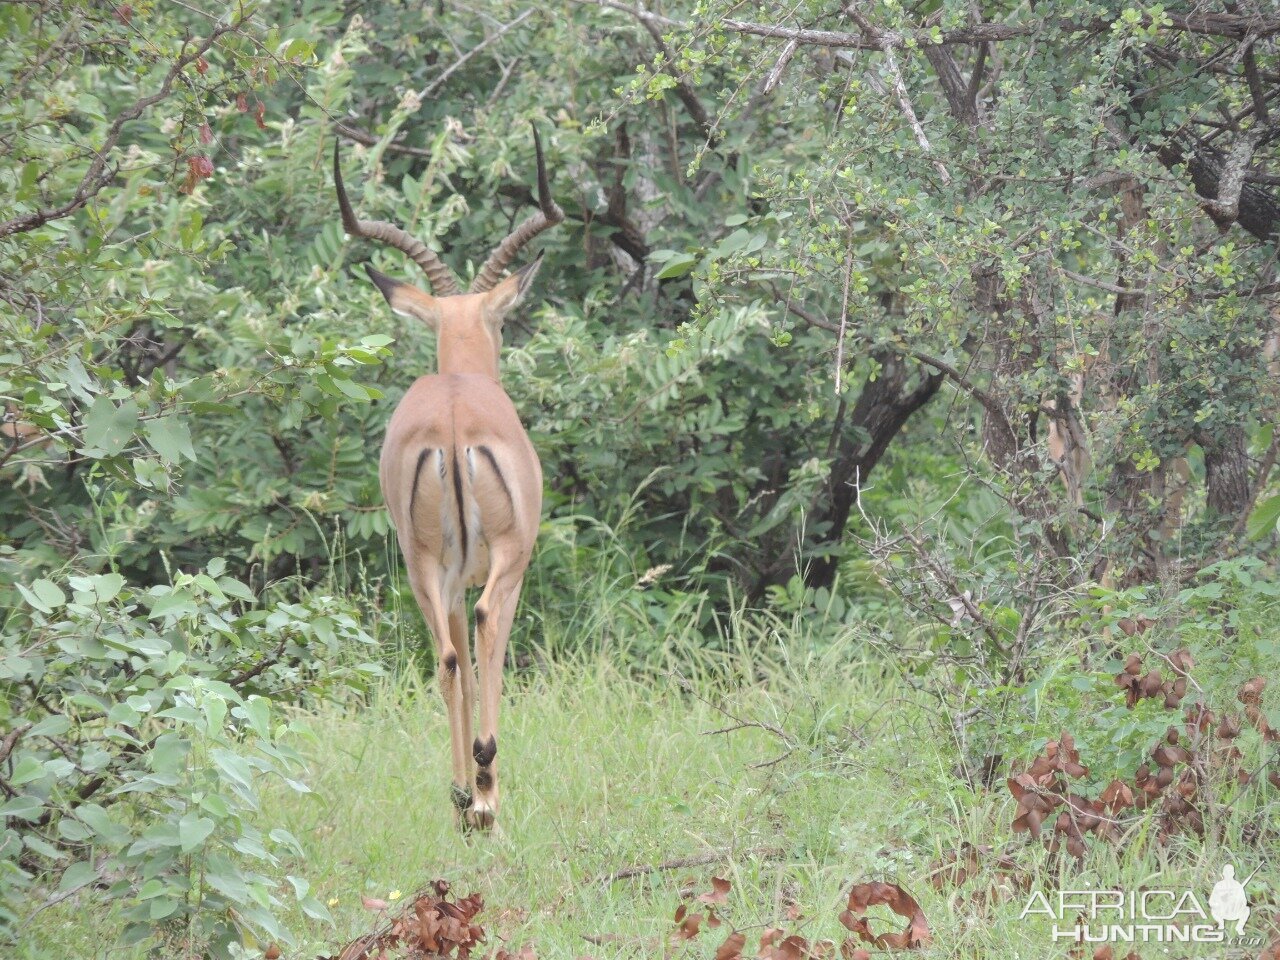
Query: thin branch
[(1218, 25), (1255, 86), (844, 311), (683, 863), (10, 741), (784, 58), (684, 90), (369, 140), (881, 41), (439, 81)]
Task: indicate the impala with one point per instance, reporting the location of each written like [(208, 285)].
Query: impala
[(461, 480)]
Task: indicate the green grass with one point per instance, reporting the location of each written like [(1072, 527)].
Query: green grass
[(601, 771)]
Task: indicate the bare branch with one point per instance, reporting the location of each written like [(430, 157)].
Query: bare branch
[(1218, 24), (494, 37), (881, 41), (1225, 208), (784, 58)]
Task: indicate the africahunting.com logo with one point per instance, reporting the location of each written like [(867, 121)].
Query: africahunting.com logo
[(1148, 915)]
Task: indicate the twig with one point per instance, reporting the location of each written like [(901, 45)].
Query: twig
[(369, 140), (267, 661), (439, 81), (784, 58), (881, 41), (684, 90), (9, 742), (844, 312), (682, 863)]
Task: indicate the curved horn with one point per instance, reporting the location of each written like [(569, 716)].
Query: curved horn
[(442, 282), (548, 215)]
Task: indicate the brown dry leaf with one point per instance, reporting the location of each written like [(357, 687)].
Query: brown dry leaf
[(731, 949), (1130, 627), (770, 936), (719, 891), (851, 952), (793, 947), (1250, 693), (429, 925), (865, 895), (1117, 796), (689, 927), (272, 952)]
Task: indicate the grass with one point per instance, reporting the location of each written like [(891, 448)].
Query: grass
[(836, 772)]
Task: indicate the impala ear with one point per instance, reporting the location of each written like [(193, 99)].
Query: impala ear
[(507, 294), (406, 299)]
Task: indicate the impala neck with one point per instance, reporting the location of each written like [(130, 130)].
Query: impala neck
[(467, 348)]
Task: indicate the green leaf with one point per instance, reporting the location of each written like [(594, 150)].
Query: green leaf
[(28, 769), (45, 595), (170, 438), (678, 266), (77, 875), (108, 428), (193, 831), (1265, 519), (22, 807)]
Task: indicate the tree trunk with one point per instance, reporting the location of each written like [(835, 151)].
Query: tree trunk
[(882, 409), (1226, 470)]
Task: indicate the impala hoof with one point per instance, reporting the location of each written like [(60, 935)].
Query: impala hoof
[(481, 817)]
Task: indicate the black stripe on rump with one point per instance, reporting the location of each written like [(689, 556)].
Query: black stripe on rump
[(462, 513), (417, 472), (488, 455)]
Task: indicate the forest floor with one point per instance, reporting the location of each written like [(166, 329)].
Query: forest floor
[(827, 776)]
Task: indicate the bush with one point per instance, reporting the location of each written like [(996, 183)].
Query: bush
[(139, 730)]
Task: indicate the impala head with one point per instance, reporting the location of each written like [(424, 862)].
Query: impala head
[(468, 325)]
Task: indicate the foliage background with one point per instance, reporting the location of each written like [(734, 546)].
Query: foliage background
[(1009, 274)]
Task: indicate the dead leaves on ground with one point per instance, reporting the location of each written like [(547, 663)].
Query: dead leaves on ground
[(1171, 782), (430, 925), (776, 944), (1004, 877), (864, 895)]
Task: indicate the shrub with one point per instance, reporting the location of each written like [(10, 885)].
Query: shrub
[(139, 728)]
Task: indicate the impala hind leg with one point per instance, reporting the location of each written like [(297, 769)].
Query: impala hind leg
[(466, 682), (449, 673), (494, 614)]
